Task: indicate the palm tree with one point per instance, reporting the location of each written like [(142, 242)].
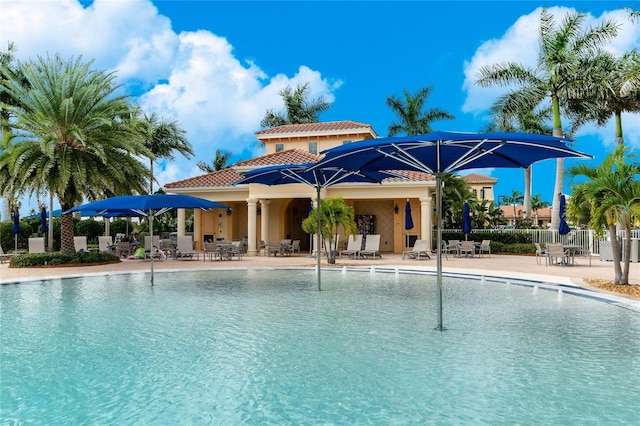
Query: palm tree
[(565, 52), (162, 137), (612, 86), (334, 214), (514, 199), (455, 192), (298, 109), (70, 137), (537, 204), (613, 189), (219, 163), (413, 120)]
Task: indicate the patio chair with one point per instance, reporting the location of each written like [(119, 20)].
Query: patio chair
[(354, 245), (80, 243), (371, 246), (185, 248), (293, 247), (210, 250), (236, 250), (467, 248), (420, 249), (485, 247), (262, 248), (556, 255), (105, 244), (36, 245), (540, 253)]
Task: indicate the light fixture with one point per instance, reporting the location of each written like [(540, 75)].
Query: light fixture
[(228, 212), (395, 209)]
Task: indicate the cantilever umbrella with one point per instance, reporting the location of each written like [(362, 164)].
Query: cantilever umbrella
[(319, 178), (442, 152), (146, 205), (466, 220)]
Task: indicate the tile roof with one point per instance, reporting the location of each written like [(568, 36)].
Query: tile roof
[(289, 156), (215, 179), (477, 178), (331, 126), (410, 176)]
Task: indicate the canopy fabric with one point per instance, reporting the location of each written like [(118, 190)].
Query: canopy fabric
[(133, 205), (563, 228), (16, 221), (322, 177), (443, 152)]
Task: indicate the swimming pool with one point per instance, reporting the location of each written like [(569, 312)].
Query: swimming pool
[(264, 347)]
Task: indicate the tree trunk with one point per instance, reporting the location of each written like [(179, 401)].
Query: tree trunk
[(615, 247), (67, 245), (627, 254)]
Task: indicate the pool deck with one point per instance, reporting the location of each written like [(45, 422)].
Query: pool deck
[(508, 266)]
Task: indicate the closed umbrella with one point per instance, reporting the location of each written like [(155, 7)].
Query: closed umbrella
[(466, 220), (44, 227), (563, 228), (408, 220), (438, 153), (16, 227)]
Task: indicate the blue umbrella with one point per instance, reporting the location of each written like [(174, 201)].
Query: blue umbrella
[(146, 205), (43, 219), (466, 220), (16, 227), (442, 152), (408, 220), (563, 228), (283, 174)]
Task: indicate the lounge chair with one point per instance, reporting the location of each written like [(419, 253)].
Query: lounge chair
[(185, 248), (420, 249), (105, 244), (371, 246), (4, 256), (80, 243), (157, 254), (36, 245), (148, 241), (123, 249), (354, 245), (485, 247)]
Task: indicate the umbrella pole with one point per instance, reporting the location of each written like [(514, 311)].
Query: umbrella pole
[(439, 255), (319, 239), (151, 248)]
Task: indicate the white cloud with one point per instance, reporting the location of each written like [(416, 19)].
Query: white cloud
[(193, 77)]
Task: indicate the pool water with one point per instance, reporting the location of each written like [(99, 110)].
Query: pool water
[(263, 347)]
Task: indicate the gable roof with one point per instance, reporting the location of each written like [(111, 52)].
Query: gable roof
[(478, 178), (215, 179)]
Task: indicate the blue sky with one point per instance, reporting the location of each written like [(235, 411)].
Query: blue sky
[(218, 66)]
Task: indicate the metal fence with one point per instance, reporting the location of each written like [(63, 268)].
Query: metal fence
[(584, 238)]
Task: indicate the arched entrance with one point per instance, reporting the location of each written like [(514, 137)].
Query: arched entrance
[(296, 211)]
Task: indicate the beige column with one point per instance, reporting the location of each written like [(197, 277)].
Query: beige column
[(251, 227), (264, 220), (426, 219), (182, 222), (197, 228)]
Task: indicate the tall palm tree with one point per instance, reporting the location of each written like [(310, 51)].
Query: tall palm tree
[(564, 53), (220, 162), (413, 120), (612, 86), (514, 199), (298, 108), (537, 203), (506, 117), (455, 192), (162, 137), (70, 137), (613, 191)]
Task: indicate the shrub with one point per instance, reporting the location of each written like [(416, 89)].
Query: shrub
[(59, 259)]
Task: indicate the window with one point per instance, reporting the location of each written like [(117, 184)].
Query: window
[(313, 147), (346, 142), (482, 194), (279, 147), (475, 193)]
